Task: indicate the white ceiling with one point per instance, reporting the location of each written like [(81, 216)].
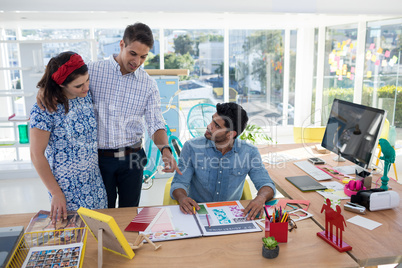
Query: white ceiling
[(196, 13)]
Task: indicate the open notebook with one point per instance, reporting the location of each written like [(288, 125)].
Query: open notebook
[(168, 222)]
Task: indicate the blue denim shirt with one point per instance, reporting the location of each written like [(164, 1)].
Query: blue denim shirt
[(209, 176)]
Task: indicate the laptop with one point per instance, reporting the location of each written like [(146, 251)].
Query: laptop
[(9, 239), (306, 183)]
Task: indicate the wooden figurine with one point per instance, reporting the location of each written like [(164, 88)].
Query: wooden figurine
[(140, 241), (334, 218)]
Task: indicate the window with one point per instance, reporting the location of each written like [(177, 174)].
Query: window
[(339, 66), (383, 70), (256, 59)]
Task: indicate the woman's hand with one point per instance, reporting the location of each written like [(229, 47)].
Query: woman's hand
[(58, 207)]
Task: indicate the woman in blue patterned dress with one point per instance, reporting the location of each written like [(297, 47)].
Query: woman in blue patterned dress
[(64, 143)]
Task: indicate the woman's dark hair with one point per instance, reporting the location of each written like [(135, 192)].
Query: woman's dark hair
[(234, 115), (138, 32), (53, 93)]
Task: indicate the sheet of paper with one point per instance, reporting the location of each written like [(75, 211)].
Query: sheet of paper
[(334, 190), (172, 224), (346, 169), (363, 222)]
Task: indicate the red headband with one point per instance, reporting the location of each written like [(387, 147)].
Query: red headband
[(67, 68)]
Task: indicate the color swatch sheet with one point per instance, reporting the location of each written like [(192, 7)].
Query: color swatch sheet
[(164, 223), (169, 223), (224, 218)]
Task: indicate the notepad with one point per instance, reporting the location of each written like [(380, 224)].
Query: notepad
[(306, 183)]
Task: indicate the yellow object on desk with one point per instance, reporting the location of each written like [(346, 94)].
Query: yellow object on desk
[(53, 238)]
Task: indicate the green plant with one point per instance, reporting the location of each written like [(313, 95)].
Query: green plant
[(269, 242), (254, 134)]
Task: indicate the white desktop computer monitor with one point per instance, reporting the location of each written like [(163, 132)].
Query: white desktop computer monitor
[(353, 131)]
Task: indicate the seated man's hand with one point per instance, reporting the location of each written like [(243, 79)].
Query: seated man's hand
[(188, 205), (254, 208)]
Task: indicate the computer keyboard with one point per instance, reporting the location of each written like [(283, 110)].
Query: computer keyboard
[(312, 170)]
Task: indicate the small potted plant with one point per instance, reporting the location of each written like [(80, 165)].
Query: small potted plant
[(270, 248)]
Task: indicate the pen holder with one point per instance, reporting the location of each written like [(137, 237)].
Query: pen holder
[(279, 230)]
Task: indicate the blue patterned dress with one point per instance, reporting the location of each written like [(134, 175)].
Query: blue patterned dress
[(72, 152)]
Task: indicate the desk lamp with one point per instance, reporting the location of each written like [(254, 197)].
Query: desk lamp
[(389, 157)]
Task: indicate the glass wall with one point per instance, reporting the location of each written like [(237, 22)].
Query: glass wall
[(256, 58), (201, 52), (339, 65), (382, 69), (108, 43)]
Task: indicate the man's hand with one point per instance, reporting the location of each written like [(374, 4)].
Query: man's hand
[(170, 162), (188, 205), (40, 100), (58, 207), (254, 208)]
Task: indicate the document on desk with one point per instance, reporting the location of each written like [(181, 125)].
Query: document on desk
[(169, 223), (224, 218), (363, 222)]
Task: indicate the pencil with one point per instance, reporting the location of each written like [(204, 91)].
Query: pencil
[(194, 210), (266, 212), (209, 223)]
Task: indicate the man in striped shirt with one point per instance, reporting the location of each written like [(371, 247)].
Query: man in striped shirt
[(124, 95)]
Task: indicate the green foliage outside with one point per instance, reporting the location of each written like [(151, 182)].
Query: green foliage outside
[(255, 134), (386, 92), (172, 61)]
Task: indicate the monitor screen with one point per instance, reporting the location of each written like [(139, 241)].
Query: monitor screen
[(353, 131)]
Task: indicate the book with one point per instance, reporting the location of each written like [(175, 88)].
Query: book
[(305, 183), (169, 223), (54, 256), (42, 221), (9, 239)]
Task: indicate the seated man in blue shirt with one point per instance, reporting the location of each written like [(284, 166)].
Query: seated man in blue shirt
[(214, 167)]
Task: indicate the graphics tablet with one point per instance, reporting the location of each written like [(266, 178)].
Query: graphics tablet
[(306, 183)]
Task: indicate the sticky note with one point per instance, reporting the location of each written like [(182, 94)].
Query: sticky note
[(368, 74), (368, 55), (352, 76), (387, 54), (340, 77), (352, 70), (348, 74), (351, 46), (373, 58), (379, 51), (338, 45), (344, 72), (394, 59), (372, 46), (338, 72), (377, 62), (384, 63)]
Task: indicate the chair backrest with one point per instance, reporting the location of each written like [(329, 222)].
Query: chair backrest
[(385, 130), (199, 117), (308, 134)]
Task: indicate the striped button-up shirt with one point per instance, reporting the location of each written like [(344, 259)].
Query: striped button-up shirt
[(122, 102)]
